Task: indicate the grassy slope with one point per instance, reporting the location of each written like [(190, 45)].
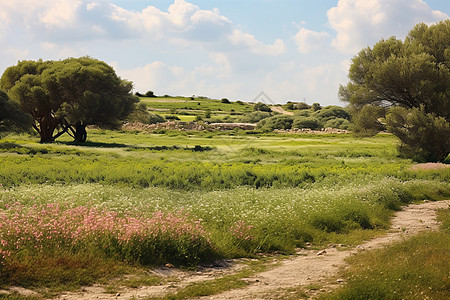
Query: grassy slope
[(187, 109)]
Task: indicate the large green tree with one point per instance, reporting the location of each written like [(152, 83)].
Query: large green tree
[(413, 73), (65, 96)]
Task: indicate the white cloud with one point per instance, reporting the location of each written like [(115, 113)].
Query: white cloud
[(68, 21), (239, 38), (359, 23), (308, 40)]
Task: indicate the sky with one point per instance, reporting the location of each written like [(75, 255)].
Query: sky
[(292, 50)]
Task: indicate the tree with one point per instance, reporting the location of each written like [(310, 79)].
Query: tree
[(11, 117), (74, 92), (149, 94), (413, 73), (368, 121), (423, 136)]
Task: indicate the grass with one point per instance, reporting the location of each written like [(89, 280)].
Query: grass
[(229, 194), (197, 105), (417, 268)]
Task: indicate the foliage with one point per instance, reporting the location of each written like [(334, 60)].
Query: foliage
[(142, 115), (255, 117), (316, 107), (225, 100), (11, 117), (83, 90), (149, 94), (306, 122), (297, 106), (331, 112), (276, 122), (424, 136), (368, 121), (261, 107), (414, 73), (338, 123), (409, 74)]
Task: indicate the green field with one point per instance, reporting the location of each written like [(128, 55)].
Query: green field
[(203, 196)]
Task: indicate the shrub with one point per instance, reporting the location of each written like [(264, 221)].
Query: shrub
[(261, 107), (301, 106), (255, 117), (225, 100), (331, 112), (172, 117), (306, 122), (142, 115), (338, 123), (316, 107), (276, 122)]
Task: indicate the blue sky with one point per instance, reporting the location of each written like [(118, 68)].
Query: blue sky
[(297, 50)]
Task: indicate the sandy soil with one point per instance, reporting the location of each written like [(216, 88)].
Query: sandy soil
[(429, 166), (281, 110), (306, 268)]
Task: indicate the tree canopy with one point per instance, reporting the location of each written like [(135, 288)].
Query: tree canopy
[(11, 117), (413, 73), (69, 93)]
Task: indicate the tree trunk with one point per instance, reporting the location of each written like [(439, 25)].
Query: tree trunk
[(80, 133), (45, 130)]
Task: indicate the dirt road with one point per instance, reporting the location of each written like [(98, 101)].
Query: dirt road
[(306, 268)]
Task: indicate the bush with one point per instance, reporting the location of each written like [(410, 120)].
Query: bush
[(276, 122), (225, 100), (306, 122), (316, 107), (172, 117), (338, 123), (255, 116), (261, 107), (141, 114), (331, 112)]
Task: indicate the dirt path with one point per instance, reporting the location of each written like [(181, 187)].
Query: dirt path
[(281, 110), (306, 268)]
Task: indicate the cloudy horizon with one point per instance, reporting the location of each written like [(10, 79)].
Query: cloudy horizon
[(293, 50)]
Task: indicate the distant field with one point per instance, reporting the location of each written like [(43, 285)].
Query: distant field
[(186, 104)]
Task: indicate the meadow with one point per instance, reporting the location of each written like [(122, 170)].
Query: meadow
[(127, 199)]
